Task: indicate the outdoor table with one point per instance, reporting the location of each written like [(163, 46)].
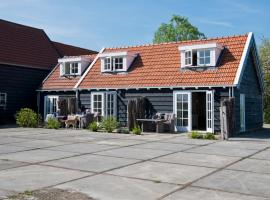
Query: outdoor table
[(156, 121)]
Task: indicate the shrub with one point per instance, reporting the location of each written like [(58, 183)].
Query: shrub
[(209, 136), (196, 135), (109, 124), (136, 130), (93, 127), (26, 117), (267, 116), (123, 130), (53, 124)]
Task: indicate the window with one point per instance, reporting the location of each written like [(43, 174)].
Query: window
[(112, 64), (188, 58), (3, 100), (104, 103), (70, 68), (107, 64), (118, 63), (204, 57), (74, 68)]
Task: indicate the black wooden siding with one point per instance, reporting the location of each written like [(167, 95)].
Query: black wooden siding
[(249, 86), (20, 84)]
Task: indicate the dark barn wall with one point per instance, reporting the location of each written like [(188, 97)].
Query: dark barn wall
[(20, 84), (250, 86)]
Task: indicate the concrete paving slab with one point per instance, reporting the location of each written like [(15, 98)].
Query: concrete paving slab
[(203, 160), (130, 152), (152, 136), (192, 193), (226, 151), (163, 172), (6, 164), (241, 145), (108, 187), (265, 155), (82, 147), (164, 146), (252, 165), (4, 194), (92, 163), (40, 143), (185, 140), (119, 142), (239, 182), (34, 177), (34, 156), (7, 148), (8, 140)]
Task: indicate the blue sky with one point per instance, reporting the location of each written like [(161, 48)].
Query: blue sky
[(95, 24)]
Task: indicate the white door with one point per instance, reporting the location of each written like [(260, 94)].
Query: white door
[(209, 111), (182, 111), (50, 105), (242, 112), (111, 104)]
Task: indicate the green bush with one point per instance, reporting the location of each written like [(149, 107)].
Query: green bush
[(267, 116), (53, 124), (196, 135), (109, 124), (26, 117), (136, 130), (209, 136), (123, 130), (93, 127)]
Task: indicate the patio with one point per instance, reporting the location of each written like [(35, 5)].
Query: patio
[(124, 166)]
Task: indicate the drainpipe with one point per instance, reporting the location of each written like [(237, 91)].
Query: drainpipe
[(77, 100)]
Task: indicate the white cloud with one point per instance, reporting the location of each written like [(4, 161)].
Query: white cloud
[(217, 23)]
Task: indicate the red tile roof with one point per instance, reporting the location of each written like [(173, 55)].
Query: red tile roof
[(158, 65), (69, 50), (27, 46), (55, 82)]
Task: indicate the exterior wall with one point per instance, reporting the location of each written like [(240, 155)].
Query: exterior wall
[(249, 86), (20, 84)]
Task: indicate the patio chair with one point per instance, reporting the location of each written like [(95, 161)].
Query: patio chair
[(169, 122)]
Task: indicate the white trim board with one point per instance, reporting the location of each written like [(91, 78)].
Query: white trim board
[(243, 60), (88, 69)]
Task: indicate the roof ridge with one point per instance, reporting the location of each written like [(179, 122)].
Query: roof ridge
[(15, 23), (175, 42)]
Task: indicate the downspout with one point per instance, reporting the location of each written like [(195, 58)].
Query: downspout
[(77, 100)]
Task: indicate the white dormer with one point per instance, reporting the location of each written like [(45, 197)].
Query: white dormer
[(73, 66), (200, 55), (116, 61)]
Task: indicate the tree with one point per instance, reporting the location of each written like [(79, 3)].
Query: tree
[(178, 29), (265, 64)]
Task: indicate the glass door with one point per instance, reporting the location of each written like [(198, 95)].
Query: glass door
[(182, 111), (111, 104), (209, 111), (50, 105)]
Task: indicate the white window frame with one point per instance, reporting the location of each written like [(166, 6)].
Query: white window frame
[(188, 58), (5, 99), (118, 63), (45, 103), (71, 66), (204, 57), (107, 65), (104, 100)]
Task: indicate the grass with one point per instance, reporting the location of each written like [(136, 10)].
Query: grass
[(198, 135)]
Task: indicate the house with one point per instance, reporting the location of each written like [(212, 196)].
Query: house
[(27, 56), (188, 78)]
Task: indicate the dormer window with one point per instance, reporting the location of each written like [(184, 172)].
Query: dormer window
[(204, 55), (116, 61), (73, 66)]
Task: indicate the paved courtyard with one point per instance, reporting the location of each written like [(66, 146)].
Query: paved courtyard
[(150, 166)]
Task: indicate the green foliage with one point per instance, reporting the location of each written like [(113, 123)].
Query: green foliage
[(53, 124), (209, 136), (178, 29), (93, 127), (26, 117), (196, 135), (136, 130), (265, 64), (123, 130), (109, 124)]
